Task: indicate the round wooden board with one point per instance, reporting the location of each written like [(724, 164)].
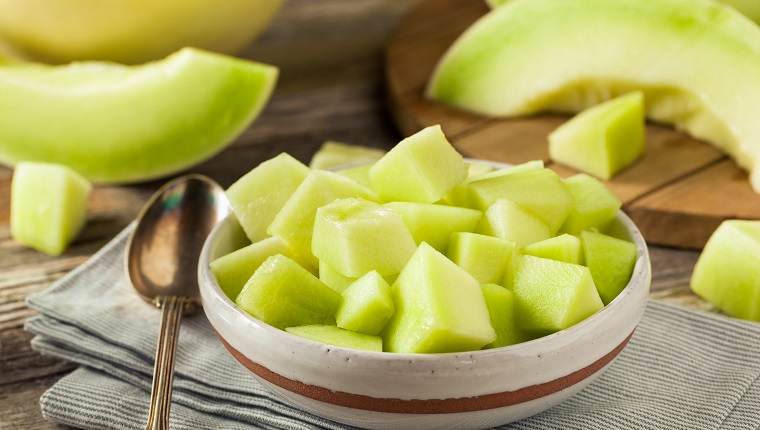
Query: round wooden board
[(677, 194)]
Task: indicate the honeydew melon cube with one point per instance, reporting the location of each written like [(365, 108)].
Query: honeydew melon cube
[(294, 224), (421, 168), (476, 168), (727, 273), (603, 139), (439, 308), (333, 154), (459, 195), (551, 295), (334, 279), (233, 270), (501, 310), (565, 248), (594, 205), (367, 305), (540, 191), (433, 223), (610, 260), (332, 335), (509, 221), (359, 174), (486, 258), (355, 236), (283, 294), (48, 206), (261, 193)]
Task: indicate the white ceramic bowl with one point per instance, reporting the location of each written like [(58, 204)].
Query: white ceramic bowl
[(477, 389)]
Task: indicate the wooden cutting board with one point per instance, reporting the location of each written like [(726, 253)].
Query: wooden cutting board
[(677, 194)]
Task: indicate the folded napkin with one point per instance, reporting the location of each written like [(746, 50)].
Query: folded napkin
[(682, 369)]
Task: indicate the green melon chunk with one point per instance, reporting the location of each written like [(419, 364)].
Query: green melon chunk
[(421, 168), (540, 191), (233, 270), (610, 261), (367, 305), (439, 308), (594, 206), (460, 194), (603, 139), (551, 295), (48, 206), (334, 279), (727, 273), (565, 248), (486, 258), (260, 194), (283, 294), (333, 154), (477, 168), (332, 335), (509, 221), (294, 224), (434, 223), (500, 302), (355, 236), (360, 174)]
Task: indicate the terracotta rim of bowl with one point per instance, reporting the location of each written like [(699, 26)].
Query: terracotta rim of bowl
[(431, 406)]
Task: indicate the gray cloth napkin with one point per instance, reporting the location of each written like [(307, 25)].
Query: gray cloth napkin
[(681, 370)]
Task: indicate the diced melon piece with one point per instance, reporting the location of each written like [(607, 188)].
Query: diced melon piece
[(367, 305), (439, 308), (421, 168), (233, 270), (334, 279), (332, 335), (603, 139), (486, 258), (260, 194), (500, 302), (333, 154), (551, 295), (594, 205), (610, 261), (459, 195), (507, 220), (434, 223), (283, 294), (359, 174), (727, 273), (295, 222), (355, 236), (475, 168), (565, 248), (540, 191), (48, 206)]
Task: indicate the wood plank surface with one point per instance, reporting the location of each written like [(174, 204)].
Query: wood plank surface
[(676, 192)]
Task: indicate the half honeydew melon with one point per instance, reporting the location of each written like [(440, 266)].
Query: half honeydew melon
[(119, 124), (695, 60)]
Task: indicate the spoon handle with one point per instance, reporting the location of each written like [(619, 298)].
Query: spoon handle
[(163, 368)]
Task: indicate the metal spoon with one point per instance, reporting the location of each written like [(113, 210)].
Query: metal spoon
[(162, 261)]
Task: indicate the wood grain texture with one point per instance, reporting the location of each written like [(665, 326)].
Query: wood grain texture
[(677, 193)]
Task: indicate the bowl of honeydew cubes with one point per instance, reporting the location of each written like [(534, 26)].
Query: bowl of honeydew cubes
[(419, 289)]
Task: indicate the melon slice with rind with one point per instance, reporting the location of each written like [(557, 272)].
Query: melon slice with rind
[(332, 335), (367, 305), (509, 221), (594, 205), (486, 258), (500, 302), (565, 248), (433, 223)]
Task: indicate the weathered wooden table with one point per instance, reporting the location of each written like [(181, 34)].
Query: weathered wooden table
[(331, 87)]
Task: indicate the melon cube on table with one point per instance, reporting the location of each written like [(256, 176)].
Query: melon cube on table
[(439, 308), (565, 248), (360, 174), (333, 154), (260, 194), (294, 224), (486, 258), (355, 236), (367, 305), (334, 279), (594, 205), (48, 206), (551, 295), (421, 168), (538, 190), (603, 139), (332, 335), (610, 260), (434, 223), (283, 294), (727, 273), (509, 221), (500, 302)]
